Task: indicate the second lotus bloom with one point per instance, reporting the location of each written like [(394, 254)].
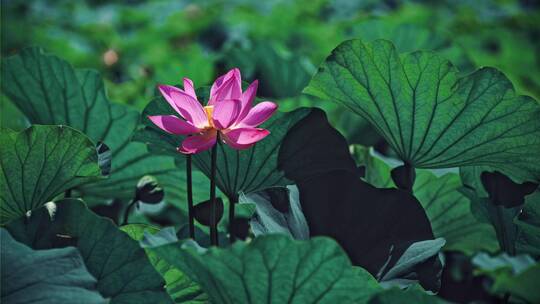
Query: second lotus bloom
[(229, 111)]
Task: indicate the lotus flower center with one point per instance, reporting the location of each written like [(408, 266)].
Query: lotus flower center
[(209, 110)]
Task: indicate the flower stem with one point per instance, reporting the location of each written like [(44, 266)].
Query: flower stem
[(126, 212), (213, 213), (190, 197), (232, 204)]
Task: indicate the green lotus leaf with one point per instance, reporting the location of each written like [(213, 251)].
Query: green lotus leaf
[(430, 117), (448, 210), (48, 90), (40, 163), (273, 269), (122, 270), (179, 286), (247, 170), (44, 276)]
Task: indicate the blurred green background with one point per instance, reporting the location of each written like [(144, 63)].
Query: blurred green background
[(137, 44)]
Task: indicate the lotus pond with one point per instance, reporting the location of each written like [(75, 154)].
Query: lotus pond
[(325, 151)]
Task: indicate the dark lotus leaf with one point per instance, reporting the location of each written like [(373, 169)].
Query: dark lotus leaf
[(337, 203), (201, 211), (503, 191), (403, 177)]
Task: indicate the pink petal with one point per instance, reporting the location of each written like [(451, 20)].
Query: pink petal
[(247, 99), (198, 143), (228, 86), (243, 138), (173, 125), (225, 113), (187, 106), (188, 88), (258, 114), (165, 91), (220, 80)]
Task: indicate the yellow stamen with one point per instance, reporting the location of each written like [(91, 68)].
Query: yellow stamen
[(209, 111)]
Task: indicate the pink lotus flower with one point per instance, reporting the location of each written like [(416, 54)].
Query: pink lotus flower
[(229, 111)]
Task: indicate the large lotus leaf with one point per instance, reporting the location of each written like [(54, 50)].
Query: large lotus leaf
[(179, 286), (237, 170), (41, 162), (430, 117), (123, 272), (44, 276), (449, 212), (273, 269), (48, 90)]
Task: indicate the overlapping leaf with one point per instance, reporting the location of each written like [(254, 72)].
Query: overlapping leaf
[(528, 224), (41, 162), (431, 118), (277, 210), (449, 212), (123, 272), (48, 90), (512, 275), (179, 286), (44, 276), (274, 269), (516, 222), (338, 204)]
